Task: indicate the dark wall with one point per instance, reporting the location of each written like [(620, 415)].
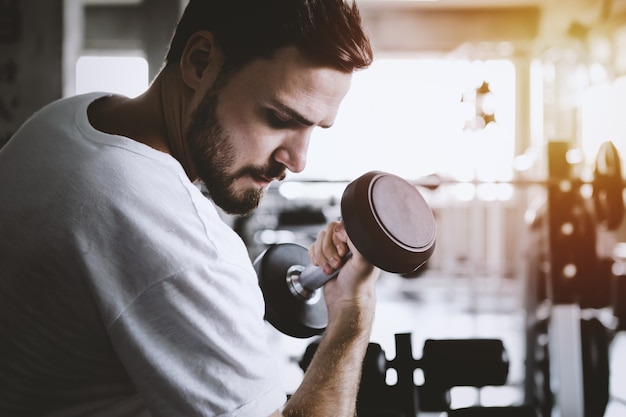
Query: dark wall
[(33, 49), (31, 35)]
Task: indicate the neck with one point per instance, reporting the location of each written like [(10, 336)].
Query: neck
[(169, 103), (136, 118), (173, 114), (156, 118)]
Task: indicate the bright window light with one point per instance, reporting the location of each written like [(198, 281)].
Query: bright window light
[(602, 117), (407, 116), (126, 75)]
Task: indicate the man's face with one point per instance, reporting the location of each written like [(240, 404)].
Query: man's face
[(248, 132)]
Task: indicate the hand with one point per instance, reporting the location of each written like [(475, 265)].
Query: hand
[(331, 246), (355, 284)]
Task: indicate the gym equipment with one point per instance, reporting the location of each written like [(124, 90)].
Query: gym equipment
[(584, 372), (389, 223), (519, 411), (596, 366), (618, 285), (568, 352), (607, 182), (456, 363), (537, 378), (571, 234), (445, 364), (608, 186)]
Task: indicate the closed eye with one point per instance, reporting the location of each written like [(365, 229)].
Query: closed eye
[(279, 121), (282, 115)]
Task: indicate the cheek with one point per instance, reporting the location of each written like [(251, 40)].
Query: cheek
[(253, 140), (256, 148), (248, 131)]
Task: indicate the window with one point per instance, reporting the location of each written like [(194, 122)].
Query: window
[(410, 117), (126, 75)]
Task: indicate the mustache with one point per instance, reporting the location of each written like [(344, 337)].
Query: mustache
[(274, 171)]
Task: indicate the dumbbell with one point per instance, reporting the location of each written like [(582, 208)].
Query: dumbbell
[(389, 223), (445, 364)]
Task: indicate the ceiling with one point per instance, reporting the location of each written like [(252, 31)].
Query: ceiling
[(556, 17), (582, 10), (457, 3)]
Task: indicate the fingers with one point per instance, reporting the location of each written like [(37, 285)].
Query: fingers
[(329, 248), (340, 239)]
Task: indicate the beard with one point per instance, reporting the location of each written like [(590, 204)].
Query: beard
[(212, 154)]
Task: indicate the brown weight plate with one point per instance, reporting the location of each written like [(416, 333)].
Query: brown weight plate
[(389, 221), (402, 212)]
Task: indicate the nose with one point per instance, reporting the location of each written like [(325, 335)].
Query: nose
[(292, 152)]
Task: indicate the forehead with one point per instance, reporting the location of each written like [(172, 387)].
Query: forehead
[(289, 78)]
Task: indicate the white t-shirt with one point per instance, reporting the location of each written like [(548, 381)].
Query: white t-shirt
[(121, 288)]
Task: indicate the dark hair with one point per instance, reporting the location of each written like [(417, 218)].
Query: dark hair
[(327, 31)]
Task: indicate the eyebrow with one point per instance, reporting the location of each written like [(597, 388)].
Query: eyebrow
[(295, 115)]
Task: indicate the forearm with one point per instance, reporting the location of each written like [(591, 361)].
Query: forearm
[(331, 383)]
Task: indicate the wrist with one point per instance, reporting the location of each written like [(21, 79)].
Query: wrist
[(352, 318)]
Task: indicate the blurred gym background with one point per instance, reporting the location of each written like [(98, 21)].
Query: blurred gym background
[(465, 99)]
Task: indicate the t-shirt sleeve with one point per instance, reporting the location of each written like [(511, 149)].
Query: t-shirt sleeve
[(178, 295), (192, 350)]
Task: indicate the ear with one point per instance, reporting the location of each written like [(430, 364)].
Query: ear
[(201, 58)]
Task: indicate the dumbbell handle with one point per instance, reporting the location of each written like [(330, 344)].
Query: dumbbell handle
[(304, 281)]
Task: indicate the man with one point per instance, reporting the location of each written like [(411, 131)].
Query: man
[(121, 291)]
